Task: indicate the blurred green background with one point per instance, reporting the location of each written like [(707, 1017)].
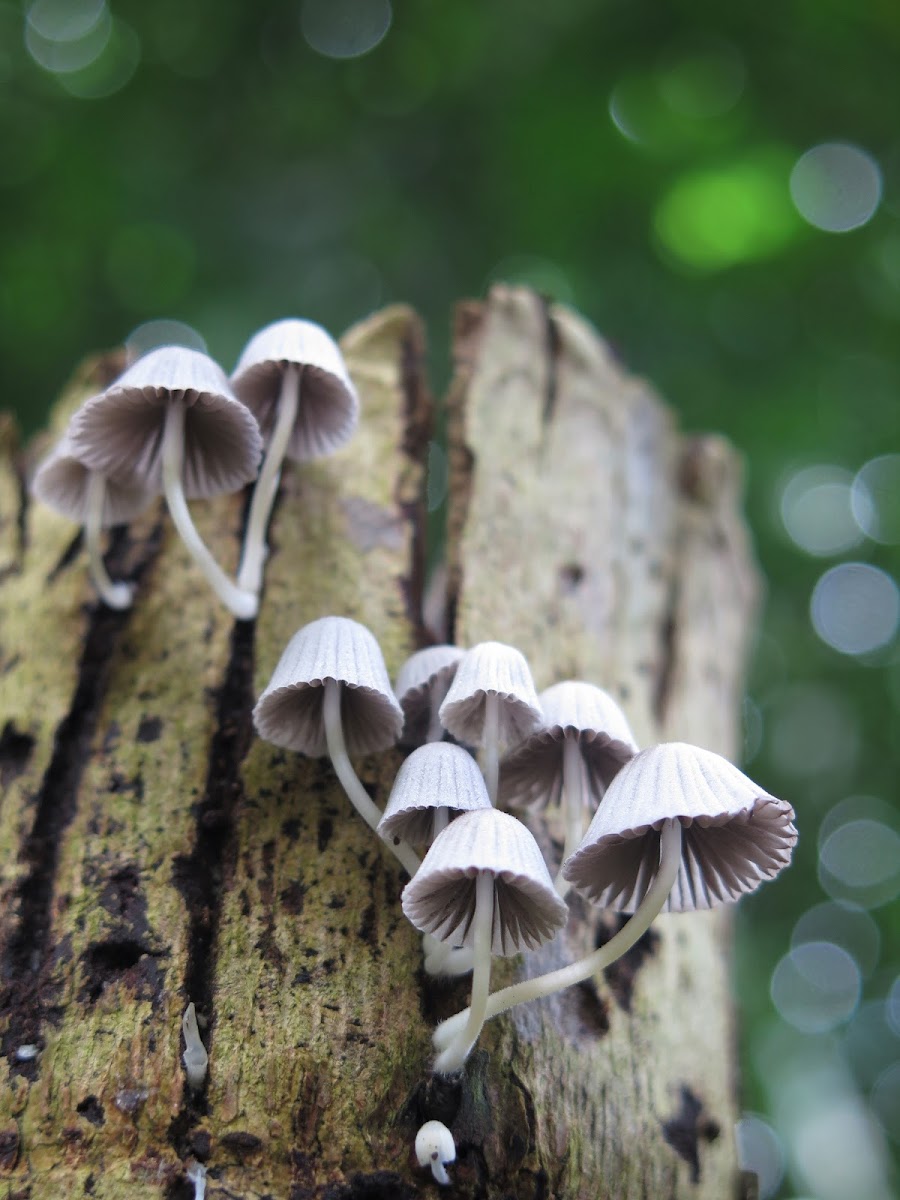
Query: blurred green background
[(716, 186)]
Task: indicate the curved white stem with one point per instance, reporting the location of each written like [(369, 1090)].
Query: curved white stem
[(356, 793), (115, 595), (243, 605), (574, 797), (577, 972), (456, 1054), (491, 745), (440, 957), (255, 548)]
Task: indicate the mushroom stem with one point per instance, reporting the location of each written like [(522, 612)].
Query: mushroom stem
[(255, 548), (440, 958), (436, 692), (491, 743), (545, 985), (243, 605), (115, 595), (356, 793), (573, 797), (452, 1058)]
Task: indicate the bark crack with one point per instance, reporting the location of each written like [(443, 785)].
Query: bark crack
[(25, 959), (202, 875)]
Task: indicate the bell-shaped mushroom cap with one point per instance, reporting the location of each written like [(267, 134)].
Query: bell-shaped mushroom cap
[(433, 666), (440, 900), (734, 834), (329, 405), (120, 431), (499, 669), (61, 482), (289, 712), (439, 775), (532, 772)]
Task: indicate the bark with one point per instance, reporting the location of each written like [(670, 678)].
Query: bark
[(153, 852)]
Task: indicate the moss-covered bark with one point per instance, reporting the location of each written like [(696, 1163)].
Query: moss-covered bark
[(152, 852)]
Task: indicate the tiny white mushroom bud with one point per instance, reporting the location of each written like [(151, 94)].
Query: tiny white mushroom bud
[(195, 1058), (196, 1173), (435, 1148)]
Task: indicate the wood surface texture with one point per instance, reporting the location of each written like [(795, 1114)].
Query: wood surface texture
[(154, 852)]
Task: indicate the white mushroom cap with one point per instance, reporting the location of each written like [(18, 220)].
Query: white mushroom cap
[(434, 1148), (532, 772), (440, 900), (61, 482), (426, 670), (119, 432), (329, 405), (439, 775), (735, 835), (491, 667), (289, 712)]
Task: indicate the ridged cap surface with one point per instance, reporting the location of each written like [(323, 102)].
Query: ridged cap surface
[(532, 772), (734, 834), (61, 482), (440, 899), (289, 712), (329, 406), (435, 665), (439, 775), (119, 432), (500, 669)]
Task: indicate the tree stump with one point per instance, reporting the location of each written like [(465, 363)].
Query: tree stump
[(154, 852)]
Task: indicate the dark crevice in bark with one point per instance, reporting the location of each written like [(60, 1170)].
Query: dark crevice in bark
[(667, 636), (554, 348), (25, 960), (418, 412), (685, 1131), (201, 876)]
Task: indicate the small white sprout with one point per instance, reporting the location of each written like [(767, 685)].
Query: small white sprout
[(196, 1173), (195, 1058), (435, 1148), (26, 1053)]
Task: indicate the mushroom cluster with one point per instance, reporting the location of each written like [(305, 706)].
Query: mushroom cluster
[(672, 827), (173, 424)]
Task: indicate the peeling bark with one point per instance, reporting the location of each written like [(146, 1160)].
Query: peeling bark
[(155, 853)]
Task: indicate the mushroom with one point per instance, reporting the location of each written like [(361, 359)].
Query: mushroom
[(195, 1057), (679, 829), (571, 760), (284, 363), (330, 694), (170, 423), (491, 702), (483, 883), (422, 685), (435, 1148), (65, 484), (437, 781)]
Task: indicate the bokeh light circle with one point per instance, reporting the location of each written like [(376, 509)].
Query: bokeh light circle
[(836, 186), (760, 1151), (345, 28), (162, 332), (817, 513), (855, 608), (847, 925), (892, 1007), (816, 987), (875, 499), (860, 861)]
